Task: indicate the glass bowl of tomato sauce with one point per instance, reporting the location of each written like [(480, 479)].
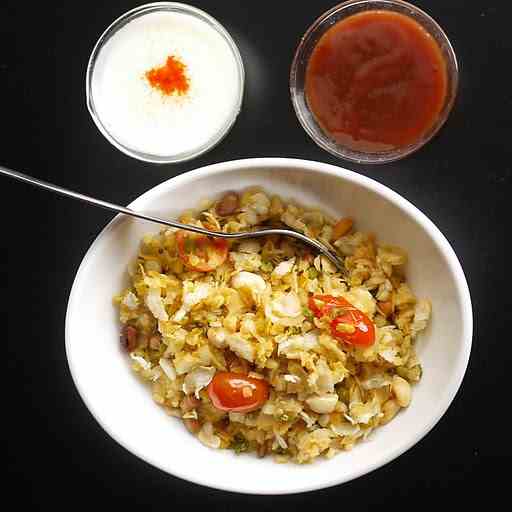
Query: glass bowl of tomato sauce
[(372, 81)]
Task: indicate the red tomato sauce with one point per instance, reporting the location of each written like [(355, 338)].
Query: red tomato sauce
[(376, 81)]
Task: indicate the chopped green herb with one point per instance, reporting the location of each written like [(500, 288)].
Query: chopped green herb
[(307, 312), (239, 444), (312, 273), (266, 266)]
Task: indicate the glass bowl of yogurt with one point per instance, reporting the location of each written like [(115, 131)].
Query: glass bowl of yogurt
[(165, 82)]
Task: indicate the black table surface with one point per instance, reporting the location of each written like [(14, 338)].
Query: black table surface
[(57, 454)]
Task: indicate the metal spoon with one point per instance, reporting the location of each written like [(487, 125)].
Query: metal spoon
[(315, 244)]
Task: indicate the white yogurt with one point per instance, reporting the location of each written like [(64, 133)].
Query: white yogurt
[(143, 119)]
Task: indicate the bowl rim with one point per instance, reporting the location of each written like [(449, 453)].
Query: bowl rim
[(119, 23), (298, 67), (265, 165)]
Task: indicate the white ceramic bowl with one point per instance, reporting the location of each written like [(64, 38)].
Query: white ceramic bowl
[(123, 405)]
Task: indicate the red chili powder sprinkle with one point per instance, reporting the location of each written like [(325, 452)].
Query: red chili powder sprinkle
[(170, 78)]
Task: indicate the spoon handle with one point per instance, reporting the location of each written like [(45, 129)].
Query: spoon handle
[(126, 211), (96, 202)]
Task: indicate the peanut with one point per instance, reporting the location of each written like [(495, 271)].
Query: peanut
[(129, 338), (389, 410), (276, 207), (193, 426), (342, 227), (189, 403), (402, 391), (228, 204), (154, 342), (386, 308), (263, 449)]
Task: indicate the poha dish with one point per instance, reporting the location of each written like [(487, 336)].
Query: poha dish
[(261, 346)]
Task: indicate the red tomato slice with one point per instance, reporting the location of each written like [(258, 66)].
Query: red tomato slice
[(201, 253), (363, 334), (237, 392), (359, 329)]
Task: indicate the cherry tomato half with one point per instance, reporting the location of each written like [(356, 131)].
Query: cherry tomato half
[(201, 253), (237, 392), (357, 328), (351, 325)]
